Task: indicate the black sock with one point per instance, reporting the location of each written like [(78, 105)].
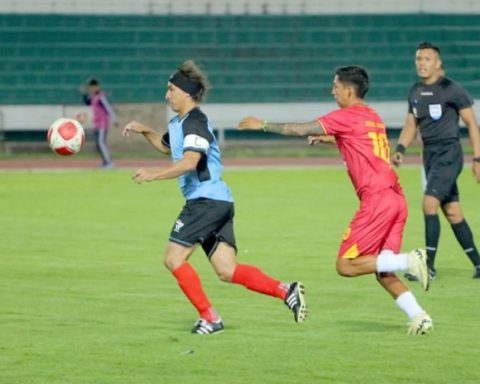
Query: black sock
[(465, 238), (432, 235)]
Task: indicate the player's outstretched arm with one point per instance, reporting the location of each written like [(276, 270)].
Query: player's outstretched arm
[(330, 139), (188, 163), (406, 137), (468, 117), (311, 128), (152, 136)]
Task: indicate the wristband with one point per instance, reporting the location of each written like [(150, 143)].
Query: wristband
[(400, 148), (264, 126), (476, 159)]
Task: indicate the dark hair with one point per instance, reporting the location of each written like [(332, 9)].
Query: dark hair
[(355, 76), (195, 75), (93, 81), (428, 45)]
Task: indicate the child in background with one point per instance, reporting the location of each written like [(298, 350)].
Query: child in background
[(103, 116)]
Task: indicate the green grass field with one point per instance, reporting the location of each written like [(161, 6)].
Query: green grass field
[(84, 297)]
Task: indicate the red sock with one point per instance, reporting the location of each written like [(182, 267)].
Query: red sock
[(191, 286), (254, 279)]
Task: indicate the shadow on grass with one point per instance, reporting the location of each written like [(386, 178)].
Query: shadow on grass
[(365, 326)]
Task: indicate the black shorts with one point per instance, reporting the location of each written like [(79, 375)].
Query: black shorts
[(207, 222), (443, 163)]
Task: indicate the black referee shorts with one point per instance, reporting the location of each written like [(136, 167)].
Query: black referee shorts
[(443, 163), (207, 222)]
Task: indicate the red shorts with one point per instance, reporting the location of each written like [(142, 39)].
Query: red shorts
[(377, 225)]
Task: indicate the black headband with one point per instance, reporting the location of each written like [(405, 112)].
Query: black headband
[(185, 84)]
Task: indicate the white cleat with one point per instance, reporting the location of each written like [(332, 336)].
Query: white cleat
[(417, 266), (420, 324)]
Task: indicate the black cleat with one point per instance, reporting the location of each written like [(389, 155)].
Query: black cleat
[(476, 274), (295, 300), (432, 275), (204, 327), (410, 276)]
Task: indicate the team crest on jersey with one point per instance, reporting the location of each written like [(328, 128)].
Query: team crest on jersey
[(178, 226), (435, 111)]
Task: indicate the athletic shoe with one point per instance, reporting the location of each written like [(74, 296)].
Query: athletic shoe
[(410, 277), (109, 165), (432, 275), (295, 300), (417, 266), (476, 274), (420, 324), (204, 327)]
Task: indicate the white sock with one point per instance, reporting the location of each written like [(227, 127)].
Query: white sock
[(387, 261), (408, 304)]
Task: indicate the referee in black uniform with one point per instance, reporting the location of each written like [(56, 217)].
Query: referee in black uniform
[(434, 106)]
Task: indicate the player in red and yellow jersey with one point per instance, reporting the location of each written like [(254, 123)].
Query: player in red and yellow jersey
[(371, 243), (362, 140)]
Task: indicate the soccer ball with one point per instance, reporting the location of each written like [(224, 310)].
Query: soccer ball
[(66, 136)]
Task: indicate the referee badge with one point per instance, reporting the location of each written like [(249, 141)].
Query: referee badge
[(435, 111)]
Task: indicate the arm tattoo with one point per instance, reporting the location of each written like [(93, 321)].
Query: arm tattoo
[(295, 129)]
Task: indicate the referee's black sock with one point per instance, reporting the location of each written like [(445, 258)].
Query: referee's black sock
[(432, 235), (465, 238)]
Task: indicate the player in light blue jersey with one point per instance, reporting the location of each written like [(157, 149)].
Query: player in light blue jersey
[(194, 132), (207, 217)]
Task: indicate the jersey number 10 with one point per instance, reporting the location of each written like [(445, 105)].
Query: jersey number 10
[(380, 145)]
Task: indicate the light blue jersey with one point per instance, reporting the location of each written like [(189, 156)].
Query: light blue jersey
[(194, 132)]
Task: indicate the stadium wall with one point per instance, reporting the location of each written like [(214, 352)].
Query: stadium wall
[(28, 123), (239, 7)]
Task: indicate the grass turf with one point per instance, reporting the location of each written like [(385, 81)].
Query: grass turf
[(84, 297)]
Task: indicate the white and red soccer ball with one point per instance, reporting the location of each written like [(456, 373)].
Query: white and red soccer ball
[(66, 136)]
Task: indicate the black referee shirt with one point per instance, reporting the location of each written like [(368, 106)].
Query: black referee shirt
[(436, 108)]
